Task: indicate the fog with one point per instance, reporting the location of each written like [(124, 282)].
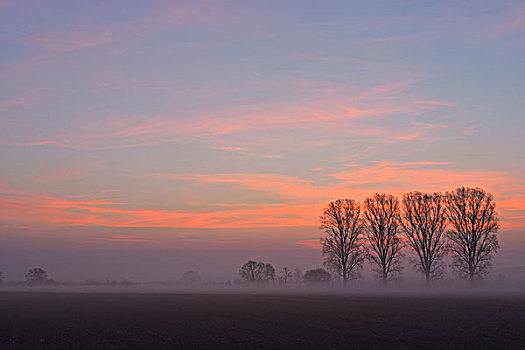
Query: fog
[(71, 259), (69, 256), (485, 291)]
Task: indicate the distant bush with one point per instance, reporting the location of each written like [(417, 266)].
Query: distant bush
[(190, 277), (317, 276)]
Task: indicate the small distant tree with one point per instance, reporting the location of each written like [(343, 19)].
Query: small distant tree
[(190, 277), (424, 222), (317, 276), (472, 214), (257, 272), (1, 277), (382, 218), (269, 274), (342, 245), (249, 271), (37, 275), (286, 275)]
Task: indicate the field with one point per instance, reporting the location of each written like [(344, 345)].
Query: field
[(257, 321)]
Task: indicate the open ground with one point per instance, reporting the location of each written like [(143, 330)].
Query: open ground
[(257, 321)]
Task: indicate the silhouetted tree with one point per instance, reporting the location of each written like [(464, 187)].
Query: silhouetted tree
[(269, 273), (36, 275), (342, 249), (382, 219), (257, 272), (424, 221), (249, 271), (472, 214), (190, 277), (1, 277), (317, 276), (286, 275)]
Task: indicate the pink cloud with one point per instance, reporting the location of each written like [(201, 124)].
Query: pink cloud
[(419, 130), (121, 238), (71, 40), (229, 148), (345, 110), (309, 243), (29, 144), (299, 201), (513, 23), (435, 103), (25, 99), (469, 130), (81, 33)]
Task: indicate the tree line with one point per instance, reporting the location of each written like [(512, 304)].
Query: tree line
[(263, 273), (462, 224)]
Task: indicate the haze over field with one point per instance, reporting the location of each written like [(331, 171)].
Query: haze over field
[(140, 140)]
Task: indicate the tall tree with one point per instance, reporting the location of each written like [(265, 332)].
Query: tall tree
[(472, 214), (382, 219), (424, 222), (342, 246)]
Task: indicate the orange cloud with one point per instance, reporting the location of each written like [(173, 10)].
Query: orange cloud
[(229, 148), (309, 243), (299, 201), (48, 211), (120, 238)]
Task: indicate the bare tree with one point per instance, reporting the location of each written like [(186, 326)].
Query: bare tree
[(268, 273), (472, 214), (382, 219), (286, 275), (424, 222), (342, 248), (249, 271), (257, 272)]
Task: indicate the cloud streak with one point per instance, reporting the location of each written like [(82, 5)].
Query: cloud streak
[(338, 109), (298, 201)]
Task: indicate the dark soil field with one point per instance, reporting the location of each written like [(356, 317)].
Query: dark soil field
[(256, 321)]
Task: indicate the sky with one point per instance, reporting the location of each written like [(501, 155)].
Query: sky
[(141, 139)]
